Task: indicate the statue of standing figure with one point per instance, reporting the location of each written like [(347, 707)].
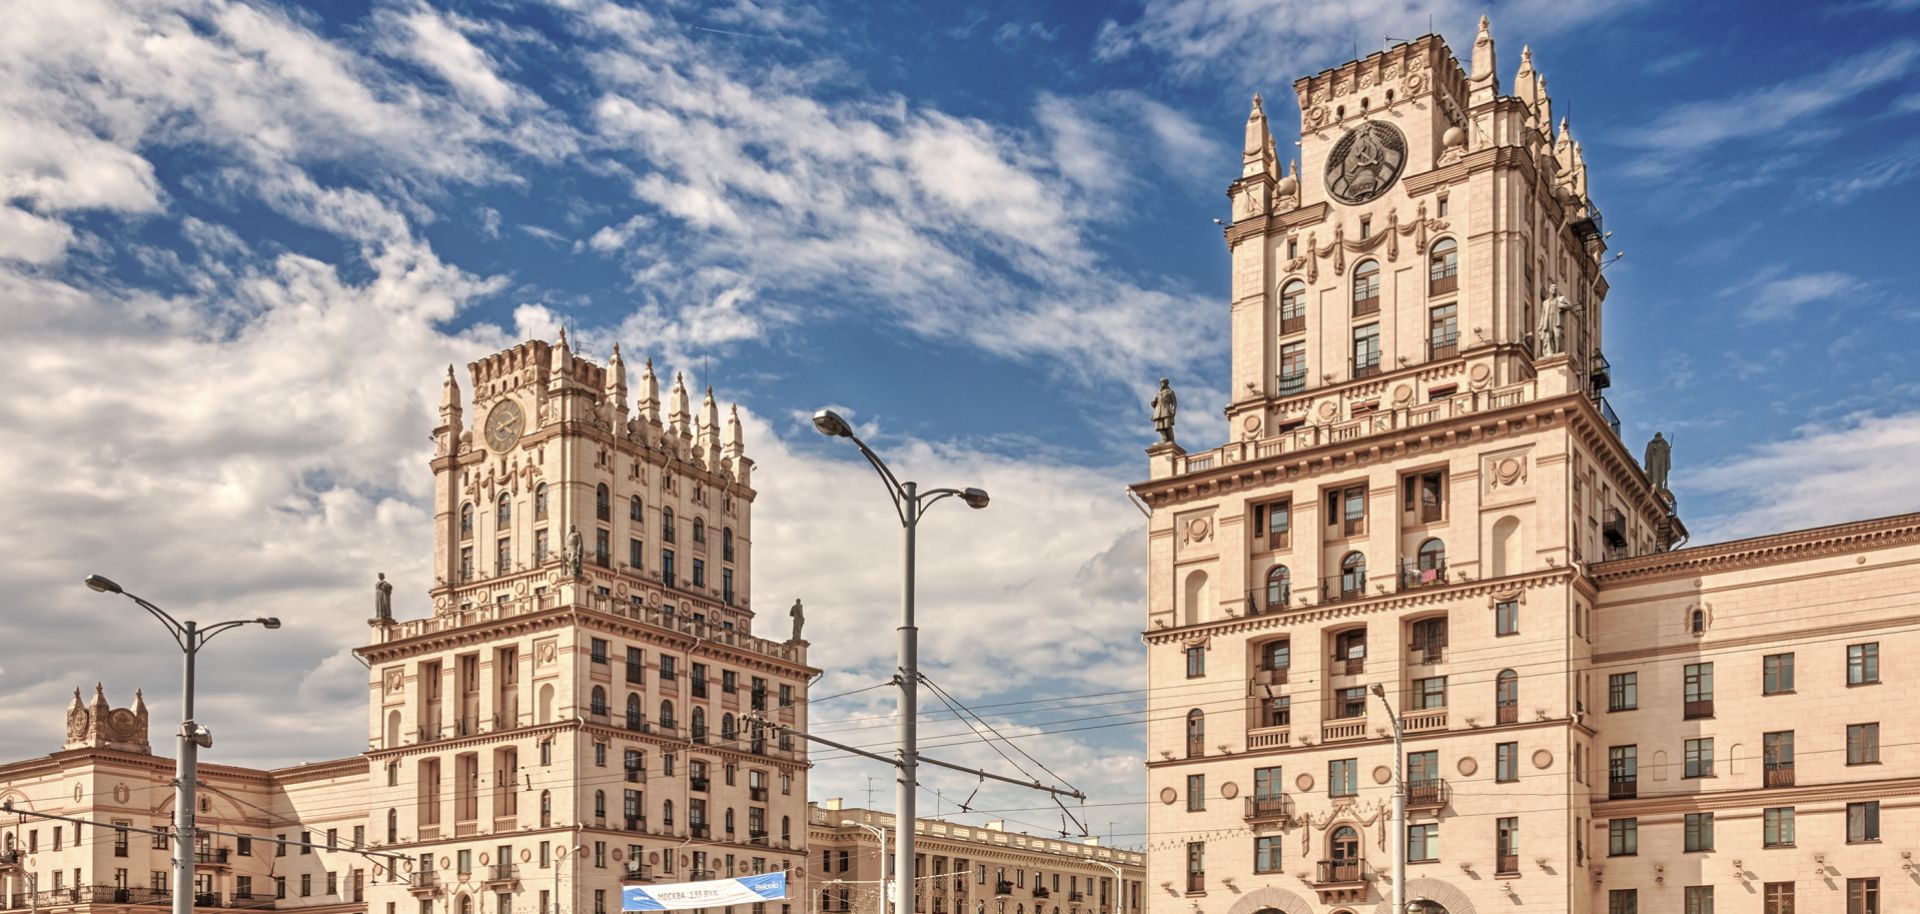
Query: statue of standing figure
[(1164, 406), (383, 599), (799, 616), (1658, 461), (1550, 337), (575, 554)]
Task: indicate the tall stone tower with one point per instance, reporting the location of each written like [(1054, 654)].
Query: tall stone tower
[(582, 706), (1421, 467)]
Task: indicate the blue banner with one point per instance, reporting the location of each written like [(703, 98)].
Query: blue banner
[(681, 896)]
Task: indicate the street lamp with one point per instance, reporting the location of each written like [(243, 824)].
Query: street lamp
[(1399, 807), (910, 503), (193, 737)]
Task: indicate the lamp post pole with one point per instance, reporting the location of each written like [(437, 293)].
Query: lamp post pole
[(186, 767), (1399, 807), (880, 832), (911, 504)]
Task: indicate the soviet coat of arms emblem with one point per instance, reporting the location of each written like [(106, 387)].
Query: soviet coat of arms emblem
[(1366, 162)]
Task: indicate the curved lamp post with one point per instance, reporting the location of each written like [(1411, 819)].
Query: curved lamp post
[(1399, 804), (910, 503), (193, 737)]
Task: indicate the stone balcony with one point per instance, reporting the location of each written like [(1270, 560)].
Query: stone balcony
[(456, 619)]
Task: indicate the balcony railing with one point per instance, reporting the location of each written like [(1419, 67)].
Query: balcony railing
[(423, 881), (503, 872), (1623, 788), (757, 794), (1290, 382), (1196, 882), (1427, 793), (1293, 324), (1600, 372), (700, 784), (1416, 574), (1365, 367), (638, 872), (1607, 414), (1699, 709), (1349, 666), (1365, 306), (1041, 891), (1507, 713), (1279, 806), (1341, 872), (1342, 588), (1506, 865), (1260, 602), (1443, 347), (701, 830), (216, 856), (1426, 654), (1779, 774), (1003, 887), (637, 823), (1614, 528), (1444, 283)]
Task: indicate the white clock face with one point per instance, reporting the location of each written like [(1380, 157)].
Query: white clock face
[(504, 425)]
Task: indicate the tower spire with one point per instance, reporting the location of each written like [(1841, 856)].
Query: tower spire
[(1257, 154), (1484, 81), (650, 395)]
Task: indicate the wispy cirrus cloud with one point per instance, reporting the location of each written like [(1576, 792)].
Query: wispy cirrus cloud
[(1779, 296), (1855, 467)]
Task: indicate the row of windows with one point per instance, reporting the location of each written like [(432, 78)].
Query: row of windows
[(1863, 897), (1443, 332), (603, 510), (1623, 762), (1863, 827), (1776, 678)]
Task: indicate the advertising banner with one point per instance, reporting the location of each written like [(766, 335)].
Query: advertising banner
[(681, 896)]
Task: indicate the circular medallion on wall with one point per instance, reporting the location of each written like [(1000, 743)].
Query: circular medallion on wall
[(1508, 470), (1168, 795), (520, 587), (1402, 394), (1467, 766), (1381, 774), (619, 855), (1250, 426), (653, 599), (445, 862), (121, 793), (78, 792), (1365, 162), (1480, 375), (525, 855), (483, 858), (653, 857), (1542, 759), (379, 870), (1304, 782), (1327, 409), (1229, 790)]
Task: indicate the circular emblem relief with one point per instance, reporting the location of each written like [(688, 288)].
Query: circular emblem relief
[(1542, 759), (1381, 775), (484, 860), (1366, 162), (1168, 795), (1467, 766), (1229, 790), (1304, 782), (525, 855)]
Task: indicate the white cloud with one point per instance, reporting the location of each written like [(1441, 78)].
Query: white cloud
[(1857, 467), (30, 238), (1777, 297)]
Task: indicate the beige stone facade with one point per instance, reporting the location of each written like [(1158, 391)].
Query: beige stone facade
[(965, 869), (1426, 491), (572, 714)]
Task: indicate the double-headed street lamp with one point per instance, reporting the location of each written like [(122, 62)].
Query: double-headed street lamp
[(910, 503), (193, 737)]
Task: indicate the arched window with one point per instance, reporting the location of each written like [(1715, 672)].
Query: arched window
[(666, 525), (1353, 575), (393, 826), (1431, 566), (633, 711), (599, 700), (726, 544), (1293, 307), (1276, 655), (540, 502), (466, 520), (1697, 622), (666, 714), (1443, 267), (1366, 288), (634, 510), (1506, 696), (726, 726), (1350, 645), (546, 809), (1196, 733), (729, 821), (602, 502), (697, 722), (699, 530), (466, 904), (1279, 587), (503, 515), (599, 804), (1343, 853)]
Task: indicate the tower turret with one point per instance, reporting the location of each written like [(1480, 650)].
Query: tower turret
[(1258, 153), (650, 395), (709, 431), (1483, 83), (616, 392), (447, 435), (677, 413)]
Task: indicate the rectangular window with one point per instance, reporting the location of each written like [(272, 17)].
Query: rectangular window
[(1863, 896), (1863, 822), (1266, 854), (1429, 694), (1776, 898), (1776, 756), (1623, 901), (1423, 498), (1699, 758), (1697, 691), (1699, 899), (603, 548), (1347, 511), (1293, 369), (1699, 831), (1443, 333), (1343, 777), (1273, 524), (1863, 744), (634, 556), (1196, 661), (1423, 843), (1623, 837), (699, 573), (1506, 617), (1506, 762), (1506, 844), (1623, 772), (1776, 674), (1196, 866), (599, 650), (1863, 663), (1623, 691), (1777, 826), (1196, 792), (1366, 351)]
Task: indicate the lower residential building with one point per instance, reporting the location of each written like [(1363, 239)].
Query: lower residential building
[(964, 869)]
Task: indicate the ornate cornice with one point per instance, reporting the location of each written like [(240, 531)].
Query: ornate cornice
[(1856, 536), (1274, 223), (1445, 594)]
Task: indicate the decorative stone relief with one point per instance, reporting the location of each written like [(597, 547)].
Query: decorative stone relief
[(1467, 766), (1229, 790), (396, 680), (546, 652), (1168, 795), (1304, 782), (1382, 774), (1480, 376), (1542, 759)]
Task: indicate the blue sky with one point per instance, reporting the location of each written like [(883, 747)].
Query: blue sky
[(239, 243)]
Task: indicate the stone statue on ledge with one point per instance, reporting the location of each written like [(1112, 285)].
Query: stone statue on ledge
[(575, 554), (1164, 406), (1658, 461), (383, 599), (799, 616)]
